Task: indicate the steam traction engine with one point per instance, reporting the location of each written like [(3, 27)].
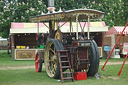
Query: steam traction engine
[(72, 49)]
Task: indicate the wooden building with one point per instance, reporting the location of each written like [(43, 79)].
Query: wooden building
[(112, 35), (23, 39), (23, 35)]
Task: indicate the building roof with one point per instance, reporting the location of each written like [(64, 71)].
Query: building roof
[(117, 30)]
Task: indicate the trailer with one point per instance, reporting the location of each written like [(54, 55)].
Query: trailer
[(73, 49)]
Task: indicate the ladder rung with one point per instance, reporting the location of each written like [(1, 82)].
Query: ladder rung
[(64, 61), (62, 51), (65, 66), (68, 78), (63, 56), (66, 72)]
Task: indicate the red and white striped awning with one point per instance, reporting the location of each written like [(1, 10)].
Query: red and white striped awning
[(117, 30), (32, 27)]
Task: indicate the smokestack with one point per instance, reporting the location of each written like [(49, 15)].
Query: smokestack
[(50, 3), (51, 7)]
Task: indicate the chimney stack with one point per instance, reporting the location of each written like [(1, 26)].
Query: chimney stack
[(51, 7)]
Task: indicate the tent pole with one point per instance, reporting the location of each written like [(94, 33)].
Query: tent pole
[(13, 46), (114, 46), (123, 39), (119, 42), (123, 65)]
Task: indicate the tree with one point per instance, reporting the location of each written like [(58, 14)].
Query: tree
[(68, 4), (125, 10), (114, 13), (18, 11)]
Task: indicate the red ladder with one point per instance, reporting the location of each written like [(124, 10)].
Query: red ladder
[(65, 64)]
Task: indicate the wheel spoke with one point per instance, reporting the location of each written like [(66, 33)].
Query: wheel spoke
[(54, 67), (38, 61), (51, 67), (49, 61), (48, 67), (53, 71), (52, 50)]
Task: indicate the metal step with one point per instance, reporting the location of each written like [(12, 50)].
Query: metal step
[(65, 66), (63, 56), (62, 50), (66, 72), (64, 61), (68, 78)]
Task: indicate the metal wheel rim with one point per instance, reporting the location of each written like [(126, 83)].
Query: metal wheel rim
[(50, 59)]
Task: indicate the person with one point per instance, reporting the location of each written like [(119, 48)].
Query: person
[(40, 39)]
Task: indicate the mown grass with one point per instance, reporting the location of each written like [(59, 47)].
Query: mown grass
[(112, 59), (3, 50), (6, 60), (28, 77)]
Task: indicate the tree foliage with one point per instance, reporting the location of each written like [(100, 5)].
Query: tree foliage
[(18, 11), (116, 11)]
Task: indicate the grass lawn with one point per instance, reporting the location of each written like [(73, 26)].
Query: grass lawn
[(6, 60), (112, 60), (3, 51), (28, 77)]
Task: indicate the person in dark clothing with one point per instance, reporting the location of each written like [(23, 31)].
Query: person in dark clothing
[(40, 40)]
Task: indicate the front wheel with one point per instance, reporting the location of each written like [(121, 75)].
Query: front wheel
[(38, 62)]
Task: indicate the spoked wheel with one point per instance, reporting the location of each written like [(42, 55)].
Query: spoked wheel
[(93, 58), (58, 35), (51, 59), (38, 62)]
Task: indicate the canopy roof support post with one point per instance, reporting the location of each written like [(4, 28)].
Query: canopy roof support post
[(70, 27), (88, 26), (51, 28), (77, 15), (38, 27), (57, 24)]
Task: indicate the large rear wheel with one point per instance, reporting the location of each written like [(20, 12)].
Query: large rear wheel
[(51, 59), (93, 58)]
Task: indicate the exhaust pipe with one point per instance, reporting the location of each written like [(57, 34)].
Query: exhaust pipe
[(50, 3), (51, 7)]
